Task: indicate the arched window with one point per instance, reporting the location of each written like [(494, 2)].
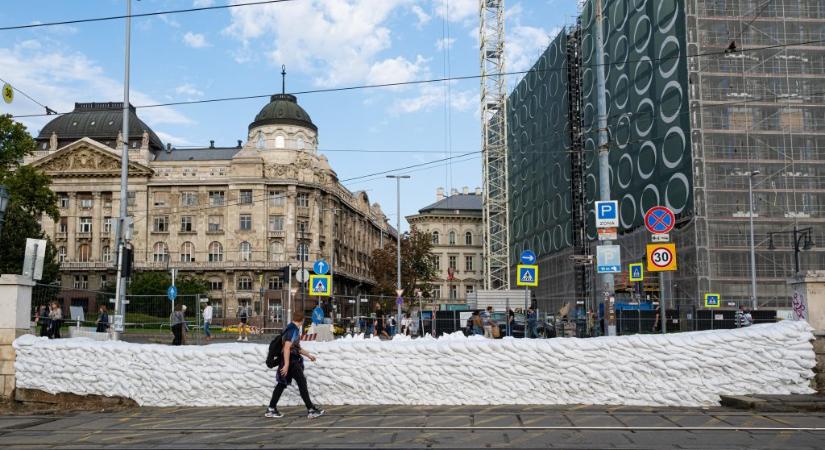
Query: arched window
[(468, 238), (215, 252), (451, 238), (276, 251), (159, 252), (244, 283), (280, 142), (106, 253), (435, 237), (299, 143), (187, 252), (83, 252), (260, 140), (303, 252), (246, 251), (61, 254)]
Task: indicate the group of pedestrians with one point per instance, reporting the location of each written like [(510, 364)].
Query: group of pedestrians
[(50, 319), (743, 317)]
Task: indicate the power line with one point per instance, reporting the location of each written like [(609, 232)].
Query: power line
[(149, 14), (49, 111)]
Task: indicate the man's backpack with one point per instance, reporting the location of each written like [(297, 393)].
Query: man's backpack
[(276, 351)]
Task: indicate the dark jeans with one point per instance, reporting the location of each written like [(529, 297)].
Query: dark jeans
[(44, 327), (296, 372), (54, 329), (178, 332)]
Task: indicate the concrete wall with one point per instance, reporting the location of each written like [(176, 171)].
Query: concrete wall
[(15, 307)]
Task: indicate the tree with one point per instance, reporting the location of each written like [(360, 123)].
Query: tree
[(417, 267), (157, 283), (29, 198)]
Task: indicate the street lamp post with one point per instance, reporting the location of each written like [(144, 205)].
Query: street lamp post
[(398, 179), (4, 204), (798, 235), (754, 303)]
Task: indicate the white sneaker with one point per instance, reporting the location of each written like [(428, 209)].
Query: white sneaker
[(240, 339), (246, 339)]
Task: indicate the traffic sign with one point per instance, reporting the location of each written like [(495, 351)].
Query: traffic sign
[(661, 257), (659, 220), (662, 237), (302, 275), (399, 301), (399, 292), (528, 257), (637, 272), (320, 267), (528, 275), (607, 214), (713, 300), (607, 234), (8, 93), (172, 293), (320, 285), (608, 259)]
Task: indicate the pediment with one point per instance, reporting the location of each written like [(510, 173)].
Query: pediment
[(87, 158)]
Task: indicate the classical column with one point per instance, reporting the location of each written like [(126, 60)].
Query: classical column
[(97, 226), (71, 235)]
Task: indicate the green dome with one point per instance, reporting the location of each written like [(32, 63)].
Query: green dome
[(283, 109)]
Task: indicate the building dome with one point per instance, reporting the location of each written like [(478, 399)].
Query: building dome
[(99, 121), (283, 109)]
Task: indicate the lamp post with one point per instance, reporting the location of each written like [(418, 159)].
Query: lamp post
[(4, 204), (754, 303), (398, 179), (798, 235), (332, 263)]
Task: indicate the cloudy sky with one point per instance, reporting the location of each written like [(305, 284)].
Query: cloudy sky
[(323, 43)]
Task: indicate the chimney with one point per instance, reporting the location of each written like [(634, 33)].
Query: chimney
[(465, 190), (168, 147), (211, 144), (478, 191), (454, 191), (239, 143), (439, 194)]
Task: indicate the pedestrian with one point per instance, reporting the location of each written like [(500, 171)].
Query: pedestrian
[(207, 321), (291, 367), (511, 318), (532, 323), (178, 324), (748, 319), (380, 327), (478, 325), (42, 317), (243, 317), (393, 326), (405, 325), (185, 329), (102, 319), (743, 317), (55, 320), (487, 322)]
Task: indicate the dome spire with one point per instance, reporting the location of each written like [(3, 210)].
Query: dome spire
[(283, 78)]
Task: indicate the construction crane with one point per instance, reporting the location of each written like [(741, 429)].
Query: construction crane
[(494, 145)]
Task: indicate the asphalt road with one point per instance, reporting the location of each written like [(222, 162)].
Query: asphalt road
[(418, 427)]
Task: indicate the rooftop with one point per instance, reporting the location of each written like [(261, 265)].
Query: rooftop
[(99, 121), (456, 202)]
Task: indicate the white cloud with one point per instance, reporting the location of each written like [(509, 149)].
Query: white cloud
[(176, 141), (432, 96), (421, 15), (444, 43), (456, 10), (202, 3), (397, 70), (189, 90), (169, 21), (336, 41), (195, 40), (59, 78), (524, 45)]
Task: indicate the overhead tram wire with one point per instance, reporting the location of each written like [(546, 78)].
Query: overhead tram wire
[(455, 78), (49, 111), (149, 14)]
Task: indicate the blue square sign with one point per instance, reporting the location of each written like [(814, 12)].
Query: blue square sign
[(607, 214)]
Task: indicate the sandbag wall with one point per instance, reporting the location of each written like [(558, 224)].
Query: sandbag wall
[(684, 369)]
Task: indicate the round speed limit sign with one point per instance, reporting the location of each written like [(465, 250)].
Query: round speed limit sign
[(661, 257)]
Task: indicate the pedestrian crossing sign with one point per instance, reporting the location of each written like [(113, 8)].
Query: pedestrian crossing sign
[(528, 275), (713, 300), (320, 285), (637, 272)]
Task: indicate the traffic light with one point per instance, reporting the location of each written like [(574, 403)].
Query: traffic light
[(286, 272), (128, 259)]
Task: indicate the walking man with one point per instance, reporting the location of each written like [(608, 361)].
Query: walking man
[(291, 367), (243, 328), (487, 322), (207, 321)]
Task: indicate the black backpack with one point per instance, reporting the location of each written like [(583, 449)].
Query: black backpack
[(276, 351)]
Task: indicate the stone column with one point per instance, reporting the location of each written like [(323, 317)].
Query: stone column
[(16, 304), (808, 303), (71, 233), (97, 226)]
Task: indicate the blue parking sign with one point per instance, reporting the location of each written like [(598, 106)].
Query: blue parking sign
[(607, 214)]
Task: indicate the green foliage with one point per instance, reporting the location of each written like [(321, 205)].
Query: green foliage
[(15, 143), (156, 283), (417, 268)]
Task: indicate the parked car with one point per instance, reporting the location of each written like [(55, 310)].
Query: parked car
[(518, 325)]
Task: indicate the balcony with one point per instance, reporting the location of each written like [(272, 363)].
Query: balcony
[(302, 211), (95, 265), (82, 235), (60, 236), (207, 265), (277, 234)]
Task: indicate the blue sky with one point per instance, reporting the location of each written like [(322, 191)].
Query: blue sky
[(323, 43)]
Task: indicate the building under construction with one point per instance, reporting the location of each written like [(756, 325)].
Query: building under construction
[(703, 98)]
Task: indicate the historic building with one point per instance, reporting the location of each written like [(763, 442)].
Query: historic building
[(236, 216), (454, 223)]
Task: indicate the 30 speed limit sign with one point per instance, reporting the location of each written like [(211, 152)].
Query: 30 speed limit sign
[(661, 257)]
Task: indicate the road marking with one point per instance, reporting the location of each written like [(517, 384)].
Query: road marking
[(463, 428)]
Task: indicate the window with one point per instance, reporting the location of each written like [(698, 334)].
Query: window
[(453, 292), (188, 198), (161, 199), (104, 281), (469, 289), (81, 282), (187, 252), (215, 284), (246, 222), (161, 224), (451, 238), (468, 238), (246, 251), (107, 199), (85, 202), (83, 252), (303, 252), (107, 225), (106, 254), (277, 198), (468, 263), (436, 292), (63, 227), (85, 225), (275, 283), (244, 283), (302, 225), (276, 223), (190, 171), (280, 142), (452, 262), (64, 201), (215, 223), (215, 252), (260, 141), (302, 200), (299, 143), (245, 197), (216, 198), (437, 262), (435, 237), (276, 251), (61, 254), (131, 198), (186, 224), (159, 252)]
